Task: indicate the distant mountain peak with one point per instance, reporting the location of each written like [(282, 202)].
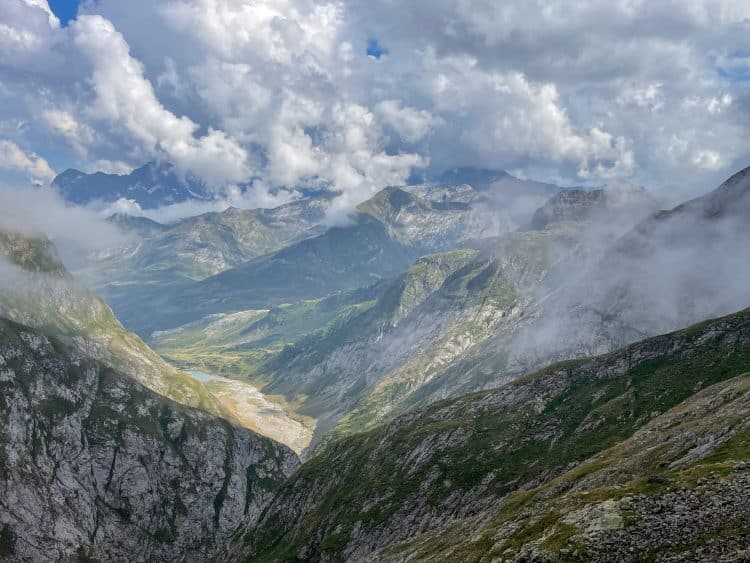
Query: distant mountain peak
[(152, 185), (731, 197), (387, 202), (569, 205), (69, 175), (733, 192)]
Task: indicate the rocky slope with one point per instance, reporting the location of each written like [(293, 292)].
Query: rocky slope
[(204, 245), (477, 478), (94, 466), (501, 194), (36, 289), (569, 205)]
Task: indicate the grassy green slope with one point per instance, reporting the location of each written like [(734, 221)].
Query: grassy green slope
[(463, 456), (676, 488)]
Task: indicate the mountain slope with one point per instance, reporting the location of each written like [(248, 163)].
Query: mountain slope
[(672, 269), (389, 232), (51, 301), (458, 460), (342, 258), (382, 240), (94, 466), (158, 262), (370, 368), (669, 270), (569, 205), (238, 344), (674, 491), (37, 290), (204, 245)]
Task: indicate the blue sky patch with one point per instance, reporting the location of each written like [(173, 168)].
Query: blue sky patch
[(735, 67), (375, 49), (65, 10)]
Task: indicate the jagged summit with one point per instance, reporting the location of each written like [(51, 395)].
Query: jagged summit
[(569, 205), (387, 203), (152, 185)]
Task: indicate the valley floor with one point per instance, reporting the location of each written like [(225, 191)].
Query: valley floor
[(254, 410)]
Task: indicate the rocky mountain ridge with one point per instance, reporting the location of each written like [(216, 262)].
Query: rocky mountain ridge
[(95, 466)]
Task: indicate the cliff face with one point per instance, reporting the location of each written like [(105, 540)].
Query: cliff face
[(457, 480), (569, 205), (94, 465)]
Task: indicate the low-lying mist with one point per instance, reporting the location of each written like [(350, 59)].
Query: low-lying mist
[(673, 269)]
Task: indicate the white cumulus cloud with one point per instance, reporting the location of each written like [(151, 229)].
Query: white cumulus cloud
[(12, 157)]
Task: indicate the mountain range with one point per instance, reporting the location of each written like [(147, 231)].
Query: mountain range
[(477, 369), (150, 186), (221, 262), (398, 346)]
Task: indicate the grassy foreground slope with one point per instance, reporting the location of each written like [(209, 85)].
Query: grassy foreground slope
[(481, 458)]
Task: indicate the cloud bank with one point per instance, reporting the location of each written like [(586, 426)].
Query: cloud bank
[(283, 92), (41, 211)]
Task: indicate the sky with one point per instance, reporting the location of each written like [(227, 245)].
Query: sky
[(65, 10), (361, 94)]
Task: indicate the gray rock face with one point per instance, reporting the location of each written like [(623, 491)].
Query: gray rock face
[(37, 290), (92, 464), (708, 523), (569, 205)]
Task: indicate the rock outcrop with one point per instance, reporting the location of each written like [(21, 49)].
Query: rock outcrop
[(569, 205), (94, 466)]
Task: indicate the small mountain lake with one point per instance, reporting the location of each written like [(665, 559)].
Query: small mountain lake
[(200, 375)]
